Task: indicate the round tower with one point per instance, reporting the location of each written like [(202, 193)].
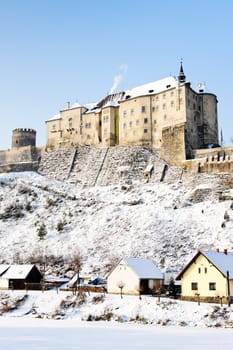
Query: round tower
[(23, 137)]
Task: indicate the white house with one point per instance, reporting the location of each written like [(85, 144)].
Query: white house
[(134, 276)]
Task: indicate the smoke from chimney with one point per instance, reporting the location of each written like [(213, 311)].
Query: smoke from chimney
[(118, 78)]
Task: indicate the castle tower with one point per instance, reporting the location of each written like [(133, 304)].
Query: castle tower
[(23, 137), (181, 76)]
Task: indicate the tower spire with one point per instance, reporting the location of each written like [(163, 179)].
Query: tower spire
[(181, 76)]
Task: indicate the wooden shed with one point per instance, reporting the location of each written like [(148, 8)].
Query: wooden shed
[(16, 276)]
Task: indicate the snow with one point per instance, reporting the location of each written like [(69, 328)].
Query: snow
[(39, 335), (223, 261), (156, 86), (106, 222), (17, 271), (144, 268)]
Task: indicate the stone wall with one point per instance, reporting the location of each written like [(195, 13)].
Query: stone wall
[(172, 148), (20, 159)]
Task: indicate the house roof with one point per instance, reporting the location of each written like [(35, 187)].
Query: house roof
[(144, 268), (3, 269), (223, 261), (17, 271)]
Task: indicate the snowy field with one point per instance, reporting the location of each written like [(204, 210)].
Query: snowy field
[(68, 335)]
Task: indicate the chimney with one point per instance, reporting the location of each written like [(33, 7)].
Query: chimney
[(217, 250), (225, 251)]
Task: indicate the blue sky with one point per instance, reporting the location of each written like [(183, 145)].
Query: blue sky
[(54, 51)]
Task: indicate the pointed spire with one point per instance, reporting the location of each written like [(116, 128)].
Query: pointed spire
[(181, 76)]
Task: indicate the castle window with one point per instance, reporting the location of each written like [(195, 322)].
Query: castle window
[(199, 270), (145, 120), (165, 117), (205, 269), (105, 131), (212, 286), (124, 125), (172, 103), (155, 130), (181, 100), (164, 96), (188, 102), (137, 122), (130, 124), (155, 121), (164, 106), (105, 119), (153, 109), (88, 125), (156, 108), (143, 109), (54, 127), (124, 114), (145, 131), (88, 137), (70, 122), (132, 111), (172, 93), (194, 106), (157, 98)]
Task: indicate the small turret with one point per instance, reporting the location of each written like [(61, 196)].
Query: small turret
[(181, 76), (23, 137)]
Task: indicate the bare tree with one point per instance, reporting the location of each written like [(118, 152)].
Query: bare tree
[(121, 285), (76, 264)]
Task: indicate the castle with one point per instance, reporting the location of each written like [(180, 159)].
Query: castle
[(167, 117)]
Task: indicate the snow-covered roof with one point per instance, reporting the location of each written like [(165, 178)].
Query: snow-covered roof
[(144, 268), (3, 269), (223, 261), (55, 117), (151, 88), (18, 271)]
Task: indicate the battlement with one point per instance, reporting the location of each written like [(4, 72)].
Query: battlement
[(22, 137), (23, 130)]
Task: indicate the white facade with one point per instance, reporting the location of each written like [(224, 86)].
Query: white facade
[(134, 276)]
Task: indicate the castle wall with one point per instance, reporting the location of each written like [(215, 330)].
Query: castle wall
[(210, 119), (108, 123), (172, 148), (20, 159)]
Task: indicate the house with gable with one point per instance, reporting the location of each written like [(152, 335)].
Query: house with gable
[(17, 276), (134, 276), (208, 276)]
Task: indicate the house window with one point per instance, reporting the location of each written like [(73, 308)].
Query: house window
[(205, 269), (194, 286), (212, 286), (145, 131), (199, 270), (143, 109), (145, 120)]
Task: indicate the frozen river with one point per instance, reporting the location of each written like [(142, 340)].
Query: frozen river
[(25, 334)]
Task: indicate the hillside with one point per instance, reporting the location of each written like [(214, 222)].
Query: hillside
[(166, 222)]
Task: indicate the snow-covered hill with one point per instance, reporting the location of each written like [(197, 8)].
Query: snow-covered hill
[(158, 221)]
